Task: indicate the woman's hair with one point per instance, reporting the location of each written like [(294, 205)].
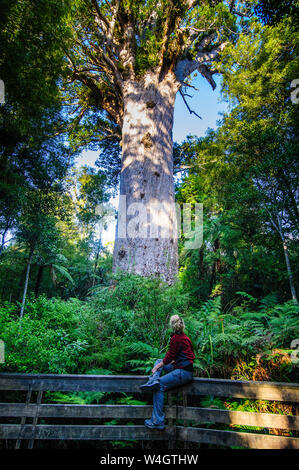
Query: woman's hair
[(177, 324)]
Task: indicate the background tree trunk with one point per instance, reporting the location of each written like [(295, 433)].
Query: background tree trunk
[(215, 268), (290, 274), (38, 279), (99, 247), (147, 178), (26, 281), (3, 241)]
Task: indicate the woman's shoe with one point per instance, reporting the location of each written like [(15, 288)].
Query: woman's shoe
[(150, 425), (152, 384)]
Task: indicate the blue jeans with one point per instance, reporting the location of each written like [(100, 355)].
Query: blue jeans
[(172, 378)]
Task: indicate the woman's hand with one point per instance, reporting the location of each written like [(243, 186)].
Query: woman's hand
[(161, 364)]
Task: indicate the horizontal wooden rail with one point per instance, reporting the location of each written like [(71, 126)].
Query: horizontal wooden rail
[(124, 433), (198, 415), (245, 418), (81, 411), (283, 392), (82, 432)]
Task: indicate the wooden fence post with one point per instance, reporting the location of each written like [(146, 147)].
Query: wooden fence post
[(171, 420), (296, 414), (35, 419), (185, 404), (23, 419)]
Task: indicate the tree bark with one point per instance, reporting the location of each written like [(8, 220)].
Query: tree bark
[(38, 279), (278, 227), (290, 274), (3, 241), (99, 246), (147, 179)]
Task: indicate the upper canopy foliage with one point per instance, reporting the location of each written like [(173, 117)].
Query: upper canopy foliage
[(119, 40)]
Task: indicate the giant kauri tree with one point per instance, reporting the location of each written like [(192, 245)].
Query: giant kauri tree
[(128, 60)]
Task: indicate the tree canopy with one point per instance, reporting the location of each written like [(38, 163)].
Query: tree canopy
[(121, 41)]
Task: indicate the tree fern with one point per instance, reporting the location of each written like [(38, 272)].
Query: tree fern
[(63, 271), (140, 347), (211, 308), (247, 296), (268, 302), (144, 364)]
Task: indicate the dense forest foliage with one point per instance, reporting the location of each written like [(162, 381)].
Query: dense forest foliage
[(62, 310)]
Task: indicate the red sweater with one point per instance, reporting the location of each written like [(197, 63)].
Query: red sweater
[(180, 351)]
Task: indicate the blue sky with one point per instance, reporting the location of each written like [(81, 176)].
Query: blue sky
[(205, 102)]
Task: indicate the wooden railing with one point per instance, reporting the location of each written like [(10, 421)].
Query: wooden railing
[(40, 383)]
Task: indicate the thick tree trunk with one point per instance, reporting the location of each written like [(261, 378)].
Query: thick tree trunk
[(147, 179)]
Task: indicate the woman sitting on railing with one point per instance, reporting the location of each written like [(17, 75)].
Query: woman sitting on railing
[(178, 365)]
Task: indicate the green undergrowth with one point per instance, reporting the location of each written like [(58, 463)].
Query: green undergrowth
[(123, 328)]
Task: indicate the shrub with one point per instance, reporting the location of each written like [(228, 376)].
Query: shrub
[(47, 339)]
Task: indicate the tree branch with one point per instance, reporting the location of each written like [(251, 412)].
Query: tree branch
[(127, 52), (112, 65), (111, 27), (190, 3), (207, 74), (194, 165), (191, 111), (186, 66), (99, 15)]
